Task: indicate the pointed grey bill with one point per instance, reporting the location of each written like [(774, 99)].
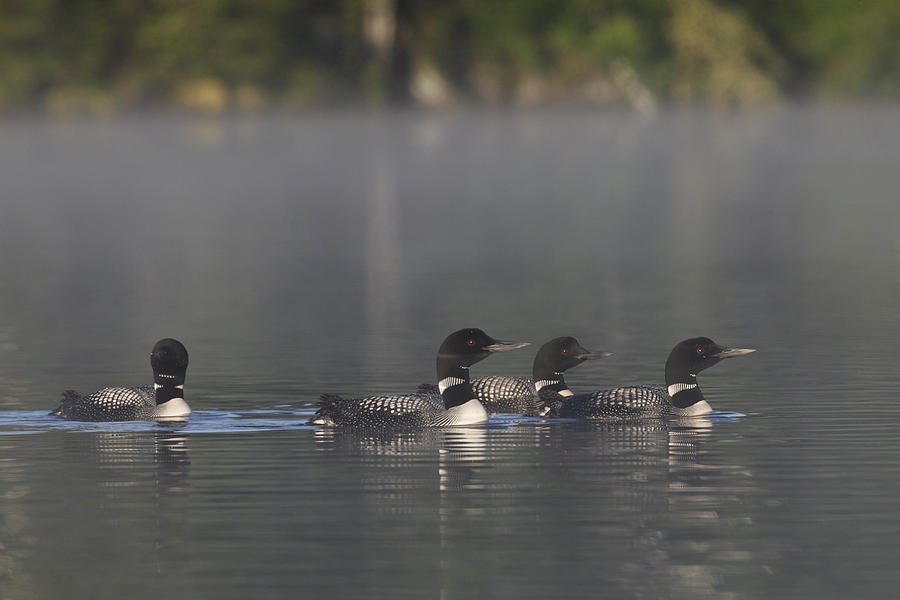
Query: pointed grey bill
[(590, 355), (730, 352), (503, 346)]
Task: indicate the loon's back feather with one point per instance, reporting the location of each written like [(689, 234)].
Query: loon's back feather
[(411, 410), (632, 402), (500, 394), (108, 404)]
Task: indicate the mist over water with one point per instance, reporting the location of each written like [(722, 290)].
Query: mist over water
[(332, 253)]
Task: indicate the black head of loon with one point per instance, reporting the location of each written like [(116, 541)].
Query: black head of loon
[(169, 361), (462, 349), (689, 358), (559, 355)]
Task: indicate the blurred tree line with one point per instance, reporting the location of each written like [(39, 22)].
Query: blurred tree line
[(100, 55)]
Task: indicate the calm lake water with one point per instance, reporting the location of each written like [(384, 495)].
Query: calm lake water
[(332, 253)]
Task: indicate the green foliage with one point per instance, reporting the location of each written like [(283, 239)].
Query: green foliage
[(857, 49), (720, 58), (96, 55), (836, 48)]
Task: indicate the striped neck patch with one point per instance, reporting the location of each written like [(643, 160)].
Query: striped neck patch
[(680, 387), (446, 382), (544, 383)]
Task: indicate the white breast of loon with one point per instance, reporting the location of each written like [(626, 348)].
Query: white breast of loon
[(696, 409), (468, 413), (173, 409)]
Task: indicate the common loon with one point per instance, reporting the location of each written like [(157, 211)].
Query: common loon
[(499, 394), (455, 405), (163, 400), (681, 396)]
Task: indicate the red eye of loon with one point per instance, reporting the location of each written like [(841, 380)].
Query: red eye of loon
[(470, 342), (565, 350), (700, 350)]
